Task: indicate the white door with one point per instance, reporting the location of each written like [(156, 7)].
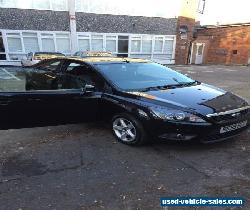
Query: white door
[(199, 53)]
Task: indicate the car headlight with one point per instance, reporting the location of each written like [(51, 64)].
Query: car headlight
[(175, 115)]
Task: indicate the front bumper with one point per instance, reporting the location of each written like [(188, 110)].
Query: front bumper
[(202, 132)]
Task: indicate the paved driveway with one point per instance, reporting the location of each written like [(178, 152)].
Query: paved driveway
[(83, 167)]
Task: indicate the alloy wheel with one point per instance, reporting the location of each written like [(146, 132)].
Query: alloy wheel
[(124, 129)]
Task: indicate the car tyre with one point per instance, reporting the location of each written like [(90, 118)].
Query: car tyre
[(128, 130)]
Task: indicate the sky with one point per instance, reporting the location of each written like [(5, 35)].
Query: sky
[(225, 11), (216, 11), (222, 11)]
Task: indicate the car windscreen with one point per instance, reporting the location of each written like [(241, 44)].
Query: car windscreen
[(135, 76)]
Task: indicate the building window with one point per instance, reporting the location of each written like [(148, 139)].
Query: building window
[(30, 42), (83, 42), (153, 47), (158, 44), (60, 5), (2, 48), (111, 43), (97, 42), (146, 44), (7, 3), (63, 42), (48, 44), (41, 4), (123, 45), (168, 46), (136, 44), (23, 42), (14, 44)]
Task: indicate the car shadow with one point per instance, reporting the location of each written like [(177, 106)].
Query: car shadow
[(170, 144)]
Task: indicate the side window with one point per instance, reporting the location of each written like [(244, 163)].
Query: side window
[(45, 77), (51, 66), (12, 79), (84, 74), (42, 77)]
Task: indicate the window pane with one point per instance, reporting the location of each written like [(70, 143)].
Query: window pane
[(96, 36), (22, 5), (29, 34), (13, 34), (41, 4), (122, 46), (135, 45), (83, 36), (2, 56), (78, 5), (14, 44), (48, 45), (8, 3), (45, 34), (2, 48), (59, 4), (30, 44), (146, 46), (61, 35), (168, 46), (51, 66), (123, 37), (83, 44), (97, 44), (110, 37), (158, 45), (63, 45), (111, 45)]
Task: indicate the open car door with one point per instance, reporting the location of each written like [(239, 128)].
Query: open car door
[(46, 96)]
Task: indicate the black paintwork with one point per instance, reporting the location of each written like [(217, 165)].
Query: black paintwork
[(50, 98)]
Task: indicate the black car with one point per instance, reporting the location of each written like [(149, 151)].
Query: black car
[(142, 99)]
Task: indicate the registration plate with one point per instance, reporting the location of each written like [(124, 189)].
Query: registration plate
[(233, 127)]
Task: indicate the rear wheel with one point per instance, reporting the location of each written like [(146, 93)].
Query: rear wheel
[(128, 130)]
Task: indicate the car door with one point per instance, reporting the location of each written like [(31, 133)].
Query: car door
[(60, 97), (13, 102), (44, 95), (79, 92)]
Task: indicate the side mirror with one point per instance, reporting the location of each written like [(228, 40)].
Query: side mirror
[(88, 88)]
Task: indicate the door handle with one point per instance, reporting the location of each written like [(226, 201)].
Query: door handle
[(4, 103), (34, 99)]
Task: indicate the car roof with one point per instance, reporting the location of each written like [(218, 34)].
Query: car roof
[(102, 59)]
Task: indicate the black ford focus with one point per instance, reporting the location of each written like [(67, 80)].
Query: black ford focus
[(142, 99)]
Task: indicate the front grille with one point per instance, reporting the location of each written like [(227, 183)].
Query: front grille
[(230, 117)]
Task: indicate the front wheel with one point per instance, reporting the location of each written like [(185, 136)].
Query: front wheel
[(128, 130)]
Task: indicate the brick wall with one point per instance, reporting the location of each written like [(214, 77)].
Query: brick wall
[(183, 44), (226, 45)]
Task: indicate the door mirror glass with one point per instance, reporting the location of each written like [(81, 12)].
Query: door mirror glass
[(89, 88)]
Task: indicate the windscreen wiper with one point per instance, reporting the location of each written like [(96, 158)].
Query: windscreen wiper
[(162, 87)]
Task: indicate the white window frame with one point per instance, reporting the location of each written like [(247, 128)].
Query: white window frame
[(112, 39), (39, 37), (4, 44), (83, 37), (130, 38), (135, 38), (98, 34)]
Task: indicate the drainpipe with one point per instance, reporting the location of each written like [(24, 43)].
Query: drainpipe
[(72, 19)]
